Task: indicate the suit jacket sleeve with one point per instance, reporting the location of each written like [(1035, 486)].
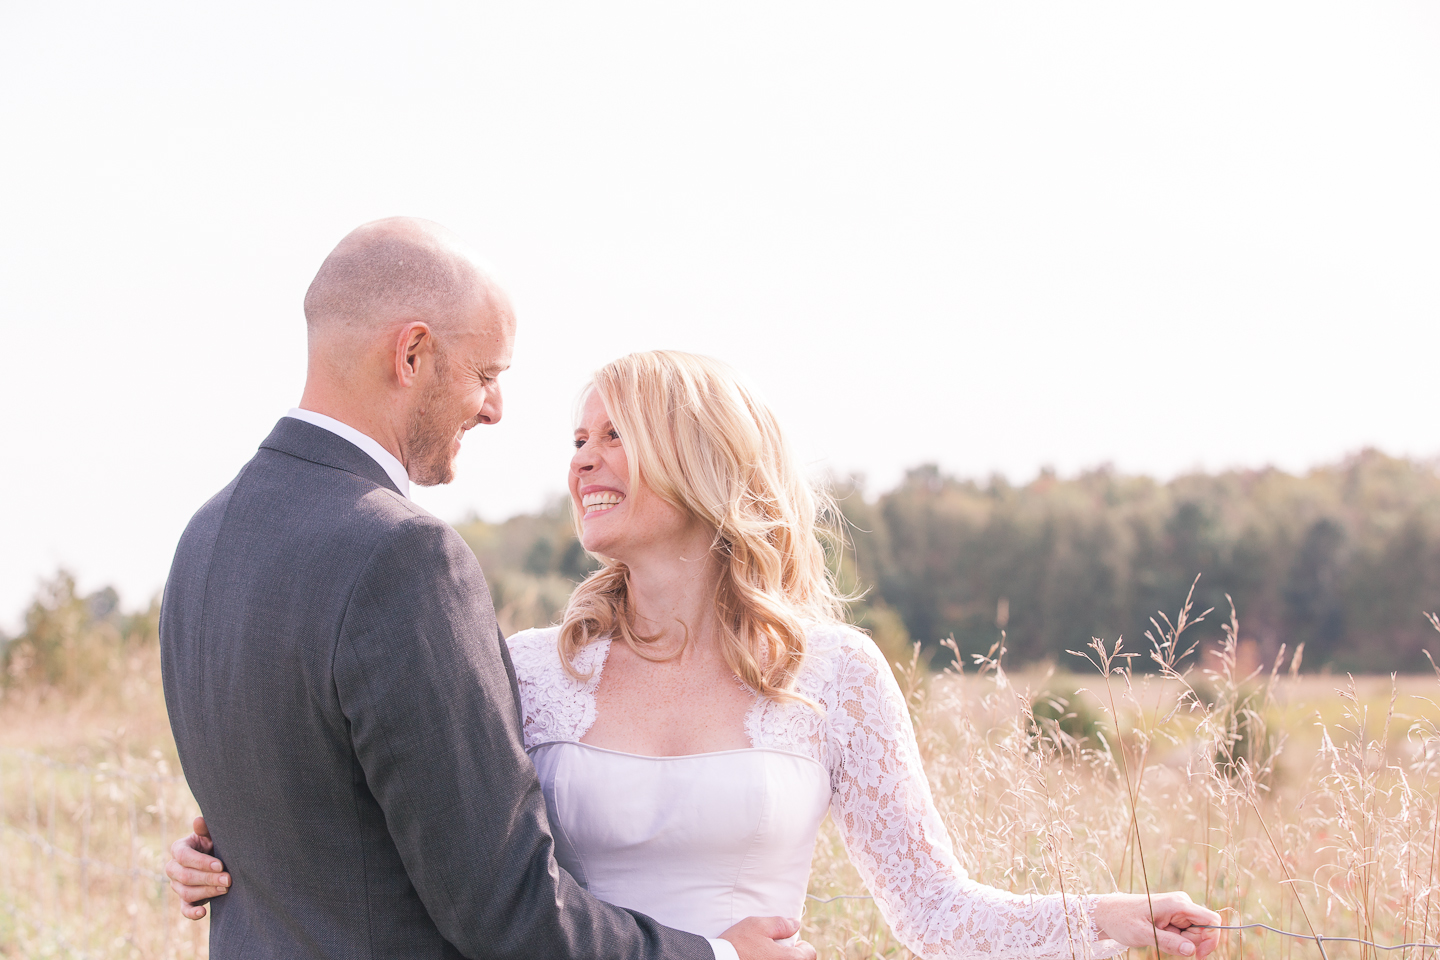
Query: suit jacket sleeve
[(422, 681)]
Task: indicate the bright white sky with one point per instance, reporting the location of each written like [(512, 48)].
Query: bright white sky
[(994, 236)]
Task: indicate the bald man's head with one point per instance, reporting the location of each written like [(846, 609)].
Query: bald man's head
[(391, 270), (408, 338)]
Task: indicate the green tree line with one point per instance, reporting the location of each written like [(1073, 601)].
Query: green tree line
[(1344, 559)]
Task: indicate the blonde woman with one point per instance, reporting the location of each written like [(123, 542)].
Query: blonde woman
[(703, 704)]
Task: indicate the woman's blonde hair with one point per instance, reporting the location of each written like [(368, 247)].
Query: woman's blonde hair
[(701, 440)]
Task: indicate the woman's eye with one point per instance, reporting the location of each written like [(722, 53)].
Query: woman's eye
[(609, 435)]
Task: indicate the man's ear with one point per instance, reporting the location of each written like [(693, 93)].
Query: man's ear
[(414, 344)]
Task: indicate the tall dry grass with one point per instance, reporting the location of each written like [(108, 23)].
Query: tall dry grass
[(1306, 802), (90, 799)]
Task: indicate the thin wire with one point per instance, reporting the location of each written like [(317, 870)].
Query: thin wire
[(842, 896), (1322, 937), (40, 843), (102, 772)]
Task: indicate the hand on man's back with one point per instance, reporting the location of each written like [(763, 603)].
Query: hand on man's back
[(195, 876)]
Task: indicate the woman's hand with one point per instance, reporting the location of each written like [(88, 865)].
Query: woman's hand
[(195, 876), (1177, 922)]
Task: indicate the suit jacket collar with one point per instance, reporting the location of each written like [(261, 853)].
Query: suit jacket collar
[(318, 445)]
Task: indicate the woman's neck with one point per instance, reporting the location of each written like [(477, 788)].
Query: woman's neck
[(673, 599)]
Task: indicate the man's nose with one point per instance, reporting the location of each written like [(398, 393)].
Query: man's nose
[(493, 407)]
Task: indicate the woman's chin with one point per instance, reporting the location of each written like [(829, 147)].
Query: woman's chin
[(600, 546), (589, 539)]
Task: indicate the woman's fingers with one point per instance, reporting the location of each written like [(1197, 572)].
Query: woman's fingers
[(195, 876), (1186, 926), (194, 887), (194, 895), (1179, 910), (1193, 942), (1196, 942), (1205, 938), (1193, 922), (213, 884), (1180, 925), (182, 876), (186, 854), (1174, 943)]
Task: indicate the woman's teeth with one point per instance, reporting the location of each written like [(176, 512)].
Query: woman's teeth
[(596, 502)]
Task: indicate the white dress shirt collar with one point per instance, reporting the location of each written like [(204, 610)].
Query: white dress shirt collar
[(392, 467)]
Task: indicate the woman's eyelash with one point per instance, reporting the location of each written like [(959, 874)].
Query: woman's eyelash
[(613, 435)]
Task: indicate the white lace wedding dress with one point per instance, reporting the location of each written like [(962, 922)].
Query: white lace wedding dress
[(700, 842)]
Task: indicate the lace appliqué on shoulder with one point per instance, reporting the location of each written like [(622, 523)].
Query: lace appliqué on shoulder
[(882, 803), (556, 706), (797, 727)]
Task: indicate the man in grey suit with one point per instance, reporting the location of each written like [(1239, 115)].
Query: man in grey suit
[(343, 703)]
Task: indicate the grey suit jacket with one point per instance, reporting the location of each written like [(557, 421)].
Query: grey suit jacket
[(346, 715)]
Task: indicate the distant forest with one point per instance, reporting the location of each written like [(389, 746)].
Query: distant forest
[(1345, 559)]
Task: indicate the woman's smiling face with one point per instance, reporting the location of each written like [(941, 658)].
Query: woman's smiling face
[(617, 520)]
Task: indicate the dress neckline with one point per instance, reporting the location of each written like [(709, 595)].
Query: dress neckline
[(589, 692)]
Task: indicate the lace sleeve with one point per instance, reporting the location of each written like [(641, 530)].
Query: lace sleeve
[(896, 839)]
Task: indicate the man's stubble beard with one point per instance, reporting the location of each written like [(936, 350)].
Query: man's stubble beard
[(427, 438)]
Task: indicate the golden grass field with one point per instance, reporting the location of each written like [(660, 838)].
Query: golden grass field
[(90, 799), (1305, 802)]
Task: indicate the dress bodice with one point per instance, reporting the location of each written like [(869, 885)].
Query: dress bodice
[(637, 828), (697, 842)]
